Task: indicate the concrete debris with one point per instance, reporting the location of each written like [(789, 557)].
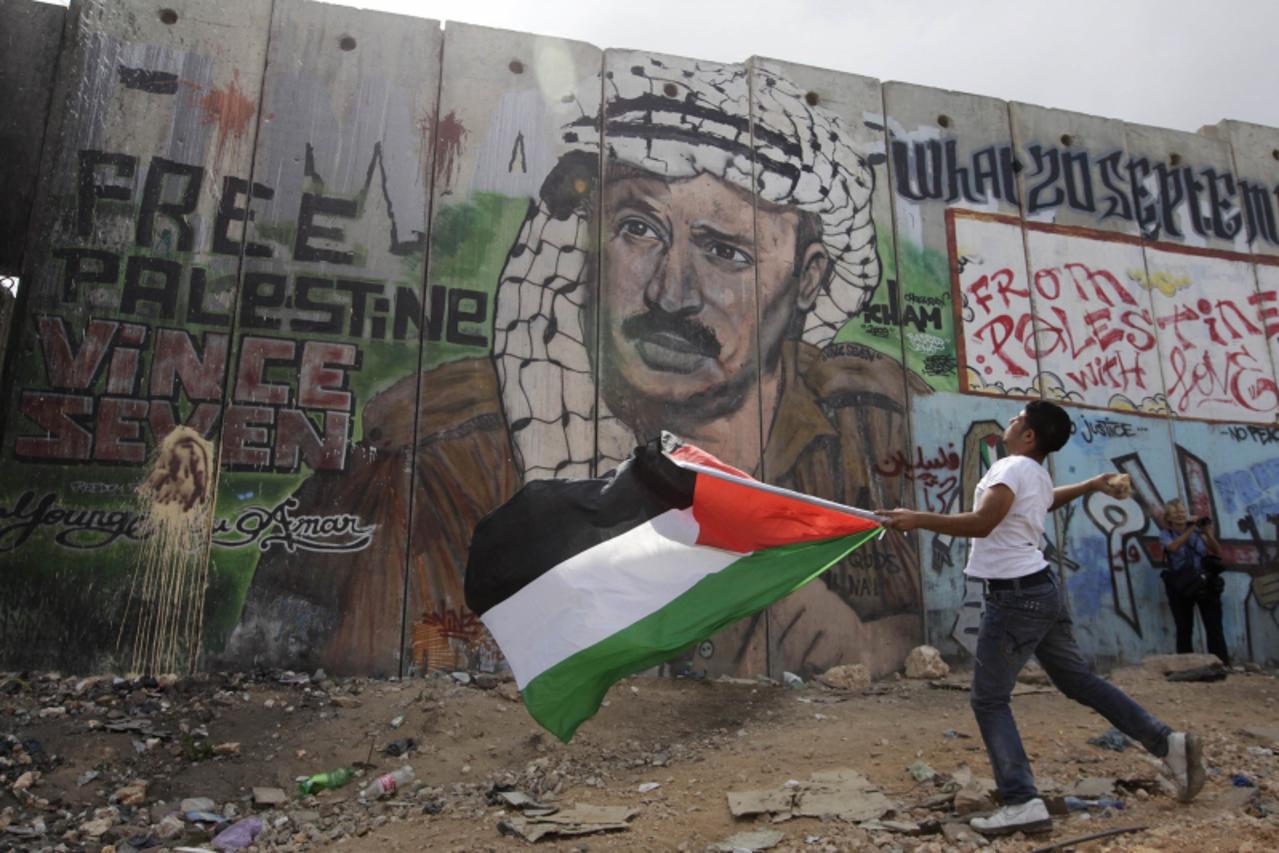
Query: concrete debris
[(581, 819), (843, 794), (963, 682), (747, 842), (1165, 664), (975, 796), (269, 797), (773, 802), (1265, 734), (901, 827), (1204, 673), (926, 662), (169, 827), (961, 834), (1094, 787)]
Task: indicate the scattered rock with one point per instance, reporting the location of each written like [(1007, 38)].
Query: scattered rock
[(95, 828), (921, 772), (1203, 673), (582, 819), (269, 797), (133, 794), (169, 827), (228, 748), (926, 662), (976, 796), (1265, 734), (749, 841), (25, 781), (849, 676), (1094, 787), (1165, 664), (962, 833), (197, 804)]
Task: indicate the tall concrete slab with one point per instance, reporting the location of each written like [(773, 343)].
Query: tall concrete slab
[(1098, 356), (313, 501), (1110, 557), (132, 291), (961, 264), (1256, 159), (693, 309), (844, 404), (1217, 364), (1255, 149), (506, 392), (967, 435), (1230, 474), (955, 212), (30, 43), (1095, 332), (1213, 349)]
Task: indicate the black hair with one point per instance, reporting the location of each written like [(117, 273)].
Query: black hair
[(1051, 424)]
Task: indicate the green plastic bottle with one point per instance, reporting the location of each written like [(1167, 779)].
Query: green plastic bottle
[(333, 779)]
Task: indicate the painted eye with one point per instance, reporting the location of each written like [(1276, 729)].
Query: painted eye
[(725, 252), (637, 228)]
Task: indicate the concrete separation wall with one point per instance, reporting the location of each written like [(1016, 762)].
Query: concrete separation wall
[(317, 288)]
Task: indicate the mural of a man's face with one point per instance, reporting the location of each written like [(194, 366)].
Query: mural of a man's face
[(682, 261)]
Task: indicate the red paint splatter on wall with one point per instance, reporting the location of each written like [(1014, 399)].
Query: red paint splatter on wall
[(229, 109), (447, 134)]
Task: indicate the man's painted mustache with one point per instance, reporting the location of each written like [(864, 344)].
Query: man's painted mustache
[(655, 322)]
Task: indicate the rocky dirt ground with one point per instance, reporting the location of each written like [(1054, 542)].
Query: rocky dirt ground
[(106, 764)]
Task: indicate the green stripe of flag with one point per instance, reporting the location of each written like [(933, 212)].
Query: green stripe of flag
[(566, 695)]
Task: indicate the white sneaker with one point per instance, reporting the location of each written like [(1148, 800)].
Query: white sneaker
[(1030, 816), (1185, 762)]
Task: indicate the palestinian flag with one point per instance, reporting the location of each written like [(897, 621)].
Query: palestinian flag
[(583, 582)]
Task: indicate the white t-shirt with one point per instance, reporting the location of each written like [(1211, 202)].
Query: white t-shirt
[(1012, 548)]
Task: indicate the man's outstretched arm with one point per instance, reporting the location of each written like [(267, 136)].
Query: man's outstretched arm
[(1063, 495), (991, 509)]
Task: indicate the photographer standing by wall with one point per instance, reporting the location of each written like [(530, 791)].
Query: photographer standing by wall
[(1191, 553)]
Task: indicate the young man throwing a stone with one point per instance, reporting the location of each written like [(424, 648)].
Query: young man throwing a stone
[(1026, 614)]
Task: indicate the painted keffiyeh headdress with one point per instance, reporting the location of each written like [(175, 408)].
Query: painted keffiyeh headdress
[(676, 119)]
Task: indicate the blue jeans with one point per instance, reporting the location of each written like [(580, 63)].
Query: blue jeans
[(1034, 620)]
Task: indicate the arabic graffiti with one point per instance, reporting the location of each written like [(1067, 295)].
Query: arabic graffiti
[(938, 475)]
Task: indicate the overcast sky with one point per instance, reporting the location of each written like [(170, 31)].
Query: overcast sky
[(1173, 63)]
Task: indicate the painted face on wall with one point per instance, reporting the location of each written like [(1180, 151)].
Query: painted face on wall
[(180, 475), (682, 261)]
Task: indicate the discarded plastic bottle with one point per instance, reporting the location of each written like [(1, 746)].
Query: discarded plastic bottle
[(1079, 804), (388, 783), (333, 779)]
